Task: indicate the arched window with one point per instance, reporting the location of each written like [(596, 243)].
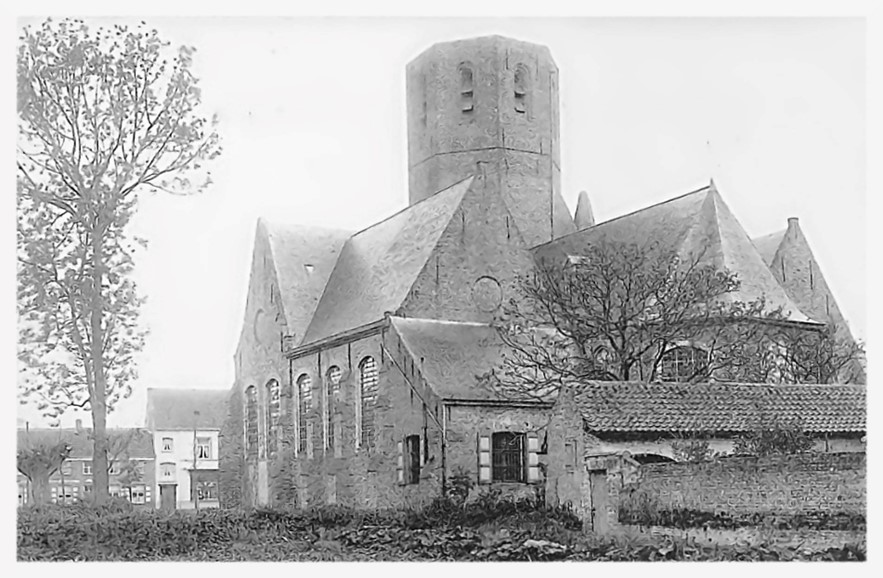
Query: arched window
[(684, 363), (251, 422), (521, 85), (467, 95), (332, 387), (304, 400), (274, 414), (367, 401)]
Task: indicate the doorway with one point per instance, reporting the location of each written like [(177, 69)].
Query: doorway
[(168, 497), (598, 485)]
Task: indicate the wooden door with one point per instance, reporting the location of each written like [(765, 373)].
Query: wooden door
[(168, 498), (598, 484)]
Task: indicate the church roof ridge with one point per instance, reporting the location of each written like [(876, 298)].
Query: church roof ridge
[(408, 207), (706, 188)]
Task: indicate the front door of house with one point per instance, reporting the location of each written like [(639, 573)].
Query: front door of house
[(168, 498), (598, 484)]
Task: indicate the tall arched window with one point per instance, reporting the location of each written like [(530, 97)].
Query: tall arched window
[(367, 401), (304, 400), (467, 95), (521, 85), (274, 414), (684, 363), (332, 387), (251, 422)]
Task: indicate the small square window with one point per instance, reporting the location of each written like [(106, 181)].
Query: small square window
[(203, 448), (87, 468), (167, 444)]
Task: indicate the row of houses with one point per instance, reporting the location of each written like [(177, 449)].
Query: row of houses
[(172, 463)]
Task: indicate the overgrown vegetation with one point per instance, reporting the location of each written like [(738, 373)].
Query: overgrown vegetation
[(489, 528)]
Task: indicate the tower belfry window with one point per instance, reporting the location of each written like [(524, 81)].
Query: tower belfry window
[(520, 88), (467, 95)]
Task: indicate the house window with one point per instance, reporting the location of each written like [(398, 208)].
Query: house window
[(251, 422), (167, 471), (138, 494), (167, 444), (66, 469), (304, 398), (87, 468), (203, 448), (684, 364), (520, 89), (206, 490), (508, 457), (412, 459), (274, 412), (332, 387), (367, 399), (87, 489), (467, 103)]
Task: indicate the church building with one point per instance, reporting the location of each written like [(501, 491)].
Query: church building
[(357, 360)]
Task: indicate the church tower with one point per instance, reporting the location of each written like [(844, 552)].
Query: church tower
[(489, 107)]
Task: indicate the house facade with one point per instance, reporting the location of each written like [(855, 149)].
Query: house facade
[(357, 373), (130, 465), (185, 426)]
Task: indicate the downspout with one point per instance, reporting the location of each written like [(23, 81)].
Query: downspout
[(444, 446)]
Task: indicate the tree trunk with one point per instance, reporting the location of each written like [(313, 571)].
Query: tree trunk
[(99, 391), (39, 486)]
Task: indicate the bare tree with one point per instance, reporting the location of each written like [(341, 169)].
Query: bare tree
[(102, 116), (617, 310)]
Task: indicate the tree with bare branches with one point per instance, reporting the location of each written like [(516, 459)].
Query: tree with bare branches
[(102, 115), (615, 312)]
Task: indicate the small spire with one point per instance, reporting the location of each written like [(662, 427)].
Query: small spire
[(711, 185), (584, 217)]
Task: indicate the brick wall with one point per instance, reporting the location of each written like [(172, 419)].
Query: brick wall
[(806, 483)]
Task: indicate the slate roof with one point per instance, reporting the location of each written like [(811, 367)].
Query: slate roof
[(697, 223), (378, 265), (172, 409), (304, 258), (140, 444), (630, 407), (768, 245), (451, 355)]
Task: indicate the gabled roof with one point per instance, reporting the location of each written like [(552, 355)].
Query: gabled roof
[(304, 257), (174, 409), (698, 223), (767, 245), (451, 355), (138, 442), (630, 407), (378, 266)]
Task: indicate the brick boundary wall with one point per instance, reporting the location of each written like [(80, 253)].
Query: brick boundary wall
[(792, 484)]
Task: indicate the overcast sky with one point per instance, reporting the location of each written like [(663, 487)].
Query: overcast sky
[(312, 117)]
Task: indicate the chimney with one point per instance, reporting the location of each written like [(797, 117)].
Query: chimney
[(793, 222)]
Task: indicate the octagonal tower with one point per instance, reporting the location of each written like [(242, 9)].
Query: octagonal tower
[(489, 107)]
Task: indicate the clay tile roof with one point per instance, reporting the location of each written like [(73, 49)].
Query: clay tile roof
[(173, 409), (304, 257), (767, 245), (629, 407), (698, 223), (139, 441), (450, 355), (378, 266)]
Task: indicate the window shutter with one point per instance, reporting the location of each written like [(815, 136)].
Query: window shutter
[(531, 461), (400, 464), (484, 457)]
